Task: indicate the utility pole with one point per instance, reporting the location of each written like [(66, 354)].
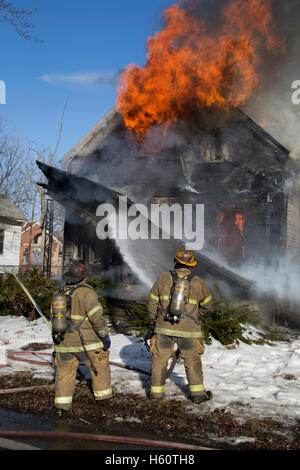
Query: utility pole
[(48, 238)]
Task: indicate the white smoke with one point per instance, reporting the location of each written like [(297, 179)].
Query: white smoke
[(272, 104)]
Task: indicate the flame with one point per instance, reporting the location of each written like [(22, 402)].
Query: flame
[(238, 218), (190, 67), (239, 221), (263, 122)]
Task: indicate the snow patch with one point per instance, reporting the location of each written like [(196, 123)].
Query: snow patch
[(248, 380)]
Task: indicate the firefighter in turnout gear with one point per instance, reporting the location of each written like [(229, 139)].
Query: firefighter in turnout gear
[(176, 302), (85, 338)]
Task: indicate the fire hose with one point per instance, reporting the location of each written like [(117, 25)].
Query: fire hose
[(12, 354), (15, 355), (101, 437)]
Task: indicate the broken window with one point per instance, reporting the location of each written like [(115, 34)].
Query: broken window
[(25, 255)]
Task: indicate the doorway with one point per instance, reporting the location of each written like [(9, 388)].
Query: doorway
[(230, 242)]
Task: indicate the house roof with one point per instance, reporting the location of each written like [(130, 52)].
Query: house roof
[(82, 197), (113, 120), (28, 226), (95, 136), (8, 210)]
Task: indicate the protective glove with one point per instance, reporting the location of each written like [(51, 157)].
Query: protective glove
[(150, 331), (57, 338), (106, 342)]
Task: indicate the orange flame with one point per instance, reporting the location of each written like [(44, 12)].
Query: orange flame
[(239, 221), (189, 67)]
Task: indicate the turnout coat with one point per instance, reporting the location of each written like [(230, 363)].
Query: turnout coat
[(199, 302)]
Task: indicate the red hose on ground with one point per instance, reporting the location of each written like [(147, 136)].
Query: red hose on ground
[(14, 355), (101, 437)]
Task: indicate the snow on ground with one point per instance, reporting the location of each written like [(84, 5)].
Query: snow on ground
[(250, 380)]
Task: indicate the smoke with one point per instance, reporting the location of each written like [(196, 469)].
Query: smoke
[(272, 105), (280, 280), (138, 170), (86, 78)]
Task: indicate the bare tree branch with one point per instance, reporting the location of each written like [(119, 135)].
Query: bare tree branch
[(17, 169), (48, 157), (17, 18)]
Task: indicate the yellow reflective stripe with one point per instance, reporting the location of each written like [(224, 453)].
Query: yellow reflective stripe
[(102, 333), (179, 333), (102, 393), (197, 388), (168, 297), (59, 400), (77, 317), (94, 310), (157, 389), (154, 297), (88, 347), (180, 274), (92, 346), (205, 301)]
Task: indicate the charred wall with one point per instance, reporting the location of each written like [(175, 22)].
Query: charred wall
[(101, 257), (224, 161), (293, 219)]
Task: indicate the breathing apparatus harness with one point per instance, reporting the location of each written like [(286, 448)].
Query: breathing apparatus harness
[(179, 297), (61, 320)]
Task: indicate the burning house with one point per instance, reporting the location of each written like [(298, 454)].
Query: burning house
[(178, 136), (237, 170)]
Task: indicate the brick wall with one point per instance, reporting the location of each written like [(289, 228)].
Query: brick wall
[(36, 249)]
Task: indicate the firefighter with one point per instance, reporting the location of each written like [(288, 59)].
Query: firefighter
[(176, 302), (85, 340)]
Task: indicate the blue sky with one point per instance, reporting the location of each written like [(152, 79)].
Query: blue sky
[(83, 41)]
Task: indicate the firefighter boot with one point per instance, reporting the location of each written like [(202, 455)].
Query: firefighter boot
[(203, 397), (61, 413)]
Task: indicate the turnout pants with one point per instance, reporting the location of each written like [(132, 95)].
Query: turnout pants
[(162, 347), (65, 378)]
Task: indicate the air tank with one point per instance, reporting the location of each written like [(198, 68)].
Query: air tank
[(180, 297), (59, 312)]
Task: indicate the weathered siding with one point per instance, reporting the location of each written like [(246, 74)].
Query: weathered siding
[(293, 219), (11, 247)]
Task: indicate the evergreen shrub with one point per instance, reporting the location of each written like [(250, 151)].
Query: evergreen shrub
[(14, 301), (228, 322)]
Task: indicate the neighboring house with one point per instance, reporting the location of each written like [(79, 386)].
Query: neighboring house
[(31, 252), (11, 222)]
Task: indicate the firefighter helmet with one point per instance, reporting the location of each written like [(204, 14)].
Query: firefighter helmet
[(185, 256), (76, 272)]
